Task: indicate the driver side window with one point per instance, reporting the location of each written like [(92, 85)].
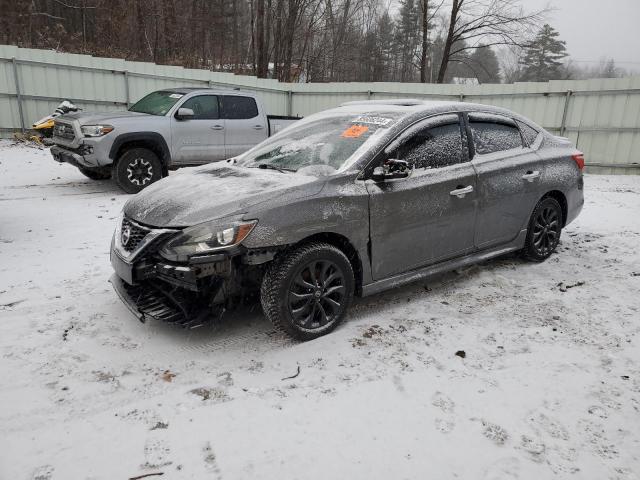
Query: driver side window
[(433, 143), (205, 107)]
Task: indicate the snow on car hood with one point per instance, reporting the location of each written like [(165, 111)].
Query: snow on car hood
[(88, 118), (196, 195)]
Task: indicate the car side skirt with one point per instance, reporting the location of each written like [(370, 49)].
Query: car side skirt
[(425, 272)]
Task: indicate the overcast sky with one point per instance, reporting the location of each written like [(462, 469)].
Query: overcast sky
[(597, 28)]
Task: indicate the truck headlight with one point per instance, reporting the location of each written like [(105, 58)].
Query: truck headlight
[(96, 130), (206, 238)]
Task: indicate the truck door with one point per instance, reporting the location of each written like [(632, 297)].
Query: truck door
[(246, 126), (199, 139)]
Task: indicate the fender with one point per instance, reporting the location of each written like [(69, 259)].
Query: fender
[(151, 137)]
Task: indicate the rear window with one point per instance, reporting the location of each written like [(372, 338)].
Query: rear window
[(529, 133), (494, 133), (238, 108)]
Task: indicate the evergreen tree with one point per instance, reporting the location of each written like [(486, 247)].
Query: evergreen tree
[(384, 72), (407, 39), (485, 65), (543, 56)]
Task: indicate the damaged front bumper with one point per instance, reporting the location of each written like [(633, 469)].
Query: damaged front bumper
[(150, 301), (185, 295)]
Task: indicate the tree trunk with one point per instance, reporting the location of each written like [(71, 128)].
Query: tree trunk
[(262, 68), (446, 53), (425, 41)]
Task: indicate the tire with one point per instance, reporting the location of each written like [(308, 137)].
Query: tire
[(136, 169), (95, 174), (545, 227), (307, 292)]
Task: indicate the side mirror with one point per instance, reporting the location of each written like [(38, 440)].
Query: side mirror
[(378, 174), (184, 114), (391, 169)]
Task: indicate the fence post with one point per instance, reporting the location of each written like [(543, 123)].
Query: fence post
[(289, 102), (16, 78), (368, 94), (563, 123), (126, 88)]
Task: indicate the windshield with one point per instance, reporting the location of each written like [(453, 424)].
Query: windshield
[(156, 103), (328, 141)]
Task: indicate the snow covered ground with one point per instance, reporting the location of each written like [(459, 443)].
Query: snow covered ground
[(548, 385)]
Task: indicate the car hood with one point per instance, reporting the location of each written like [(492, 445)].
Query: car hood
[(196, 195), (95, 118)]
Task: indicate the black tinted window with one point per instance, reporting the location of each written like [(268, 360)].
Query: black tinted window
[(529, 133), (238, 108), (205, 107), (492, 133), (430, 146)]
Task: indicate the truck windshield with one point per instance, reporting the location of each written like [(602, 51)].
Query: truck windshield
[(156, 103), (326, 141)]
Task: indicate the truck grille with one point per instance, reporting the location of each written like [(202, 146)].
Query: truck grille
[(63, 130), (132, 234)]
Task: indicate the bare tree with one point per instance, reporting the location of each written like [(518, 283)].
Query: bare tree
[(486, 22)]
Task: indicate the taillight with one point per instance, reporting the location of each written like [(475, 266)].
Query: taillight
[(579, 159)]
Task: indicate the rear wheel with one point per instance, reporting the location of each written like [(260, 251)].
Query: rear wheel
[(96, 173), (136, 169), (544, 230), (307, 292)]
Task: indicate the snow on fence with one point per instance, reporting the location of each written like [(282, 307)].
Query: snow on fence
[(601, 116)]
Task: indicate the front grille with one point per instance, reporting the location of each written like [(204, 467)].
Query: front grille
[(132, 234), (167, 304), (63, 130)]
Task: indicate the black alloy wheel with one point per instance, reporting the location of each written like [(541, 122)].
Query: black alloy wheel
[(545, 227), (317, 294), (307, 290), (546, 231)]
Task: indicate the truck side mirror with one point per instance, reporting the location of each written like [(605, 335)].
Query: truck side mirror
[(184, 114)]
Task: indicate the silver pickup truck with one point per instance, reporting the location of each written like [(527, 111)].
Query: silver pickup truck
[(164, 130)]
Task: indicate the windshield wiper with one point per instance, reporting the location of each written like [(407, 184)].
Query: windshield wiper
[(268, 166)]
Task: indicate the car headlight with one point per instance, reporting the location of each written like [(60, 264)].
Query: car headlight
[(96, 130), (206, 238)]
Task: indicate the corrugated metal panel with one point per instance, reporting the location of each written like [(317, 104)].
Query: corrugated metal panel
[(601, 116)]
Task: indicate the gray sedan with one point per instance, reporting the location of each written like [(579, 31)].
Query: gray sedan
[(351, 201)]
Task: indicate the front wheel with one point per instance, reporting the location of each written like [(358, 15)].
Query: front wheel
[(136, 169), (544, 230), (307, 292)]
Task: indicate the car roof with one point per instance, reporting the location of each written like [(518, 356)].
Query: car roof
[(414, 107), (221, 91)]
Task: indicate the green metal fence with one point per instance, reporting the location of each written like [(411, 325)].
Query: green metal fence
[(601, 116)]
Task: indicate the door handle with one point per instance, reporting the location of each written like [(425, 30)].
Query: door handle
[(258, 127), (217, 127), (531, 175), (461, 191)]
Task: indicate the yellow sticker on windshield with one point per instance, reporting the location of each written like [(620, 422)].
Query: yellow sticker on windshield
[(354, 131)]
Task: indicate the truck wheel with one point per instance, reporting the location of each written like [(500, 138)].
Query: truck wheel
[(136, 169), (544, 230), (306, 293), (96, 173)]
